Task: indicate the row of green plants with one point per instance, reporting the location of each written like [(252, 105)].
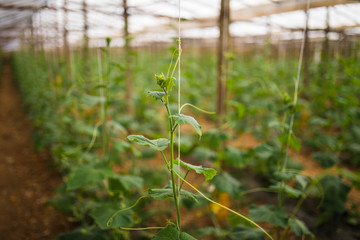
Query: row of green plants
[(83, 120)]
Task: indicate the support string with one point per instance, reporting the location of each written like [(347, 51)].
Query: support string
[(179, 90), (297, 81), (101, 82)]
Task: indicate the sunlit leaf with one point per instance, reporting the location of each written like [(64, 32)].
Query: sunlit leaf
[(156, 94), (209, 173), (184, 119), (157, 144)]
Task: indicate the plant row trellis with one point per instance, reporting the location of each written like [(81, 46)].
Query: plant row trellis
[(89, 146)]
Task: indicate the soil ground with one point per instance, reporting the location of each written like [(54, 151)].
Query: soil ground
[(27, 178)]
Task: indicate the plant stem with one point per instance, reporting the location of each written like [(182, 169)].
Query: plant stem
[(296, 209), (172, 130), (173, 180)]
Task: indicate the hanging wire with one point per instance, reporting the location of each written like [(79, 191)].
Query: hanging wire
[(297, 81)]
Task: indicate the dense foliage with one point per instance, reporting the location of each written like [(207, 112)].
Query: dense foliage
[(82, 118)]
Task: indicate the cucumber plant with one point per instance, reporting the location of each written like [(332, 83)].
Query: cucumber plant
[(175, 189)]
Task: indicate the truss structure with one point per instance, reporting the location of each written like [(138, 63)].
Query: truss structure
[(56, 23)]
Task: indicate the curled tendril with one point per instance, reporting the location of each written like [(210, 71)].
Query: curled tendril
[(109, 222)]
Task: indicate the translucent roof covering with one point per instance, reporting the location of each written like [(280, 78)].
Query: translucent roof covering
[(156, 20)]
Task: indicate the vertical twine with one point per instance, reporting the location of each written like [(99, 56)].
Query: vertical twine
[(179, 89), (101, 82), (297, 81)]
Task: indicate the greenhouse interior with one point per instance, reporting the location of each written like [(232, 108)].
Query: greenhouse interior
[(180, 119)]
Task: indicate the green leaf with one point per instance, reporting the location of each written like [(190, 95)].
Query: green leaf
[(204, 153), (202, 232), (209, 173), (353, 177), (64, 200), (119, 183), (240, 108), (85, 175), (299, 228), (188, 143), (117, 126), (326, 160), (120, 145), (184, 119), (284, 176), (102, 214), (84, 128), (119, 66), (302, 180), (290, 191), (100, 86), (295, 143), (355, 147), (335, 191), (264, 151), (92, 100), (242, 232), (156, 94), (214, 138), (83, 234), (171, 233), (224, 182), (269, 213), (157, 144), (235, 157), (164, 193)]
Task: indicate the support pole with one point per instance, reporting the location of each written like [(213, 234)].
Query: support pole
[(306, 51), (32, 37), (65, 41), (128, 59), (223, 48), (325, 52), (86, 40)]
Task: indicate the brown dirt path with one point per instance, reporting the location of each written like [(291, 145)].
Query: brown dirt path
[(27, 180)]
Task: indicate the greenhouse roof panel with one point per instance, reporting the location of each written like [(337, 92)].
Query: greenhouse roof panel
[(49, 19)]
